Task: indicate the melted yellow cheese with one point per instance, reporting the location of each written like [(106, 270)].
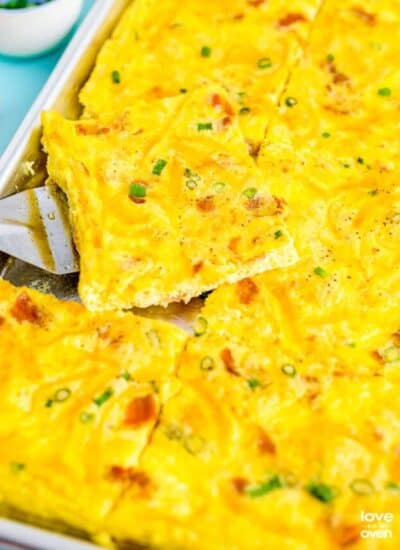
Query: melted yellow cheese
[(207, 216), (163, 48), (81, 394)]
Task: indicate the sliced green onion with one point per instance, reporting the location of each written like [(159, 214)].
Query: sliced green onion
[(250, 192), (322, 491), (85, 417), (393, 486), (183, 90), (253, 383), (330, 57), (320, 271), (384, 92), (191, 184), (173, 432), (360, 160), (256, 491), (373, 192), (116, 77), (137, 190), (326, 134), (17, 467), (205, 51), (193, 443), (159, 166), (105, 396), (62, 395), (200, 326), (219, 186), (391, 355), (204, 126), (264, 63), (291, 101), (49, 403), (362, 486), (207, 363), (126, 376), (278, 234), (244, 111), (289, 370)]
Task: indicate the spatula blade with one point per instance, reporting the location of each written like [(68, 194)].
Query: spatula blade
[(34, 227)]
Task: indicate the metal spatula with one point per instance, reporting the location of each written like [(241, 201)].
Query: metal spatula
[(34, 227)]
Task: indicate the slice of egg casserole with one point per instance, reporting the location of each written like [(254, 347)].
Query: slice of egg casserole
[(81, 396), (165, 201), (163, 49)]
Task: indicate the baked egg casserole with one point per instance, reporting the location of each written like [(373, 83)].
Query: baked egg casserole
[(274, 423), (165, 203)]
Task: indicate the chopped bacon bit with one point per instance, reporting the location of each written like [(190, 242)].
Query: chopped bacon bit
[(92, 130), (369, 18), (347, 534), (197, 267), (246, 291), (291, 18), (140, 410), (310, 378), (336, 110), (233, 244), (2, 321), (376, 355), (253, 204), (280, 203), (338, 373), (119, 473), (157, 91), (239, 484), (25, 310), (396, 338), (340, 78), (238, 16), (229, 362), (226, 121), (137, 200), (254, 149), (255, 3), (206, 204), (218, 101), (265, 444), (313, 395), (378, 434)]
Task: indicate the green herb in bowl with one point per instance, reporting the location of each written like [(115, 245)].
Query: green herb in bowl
[(19, 4)]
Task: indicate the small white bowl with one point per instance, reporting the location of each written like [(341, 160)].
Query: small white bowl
[(27, 32)]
